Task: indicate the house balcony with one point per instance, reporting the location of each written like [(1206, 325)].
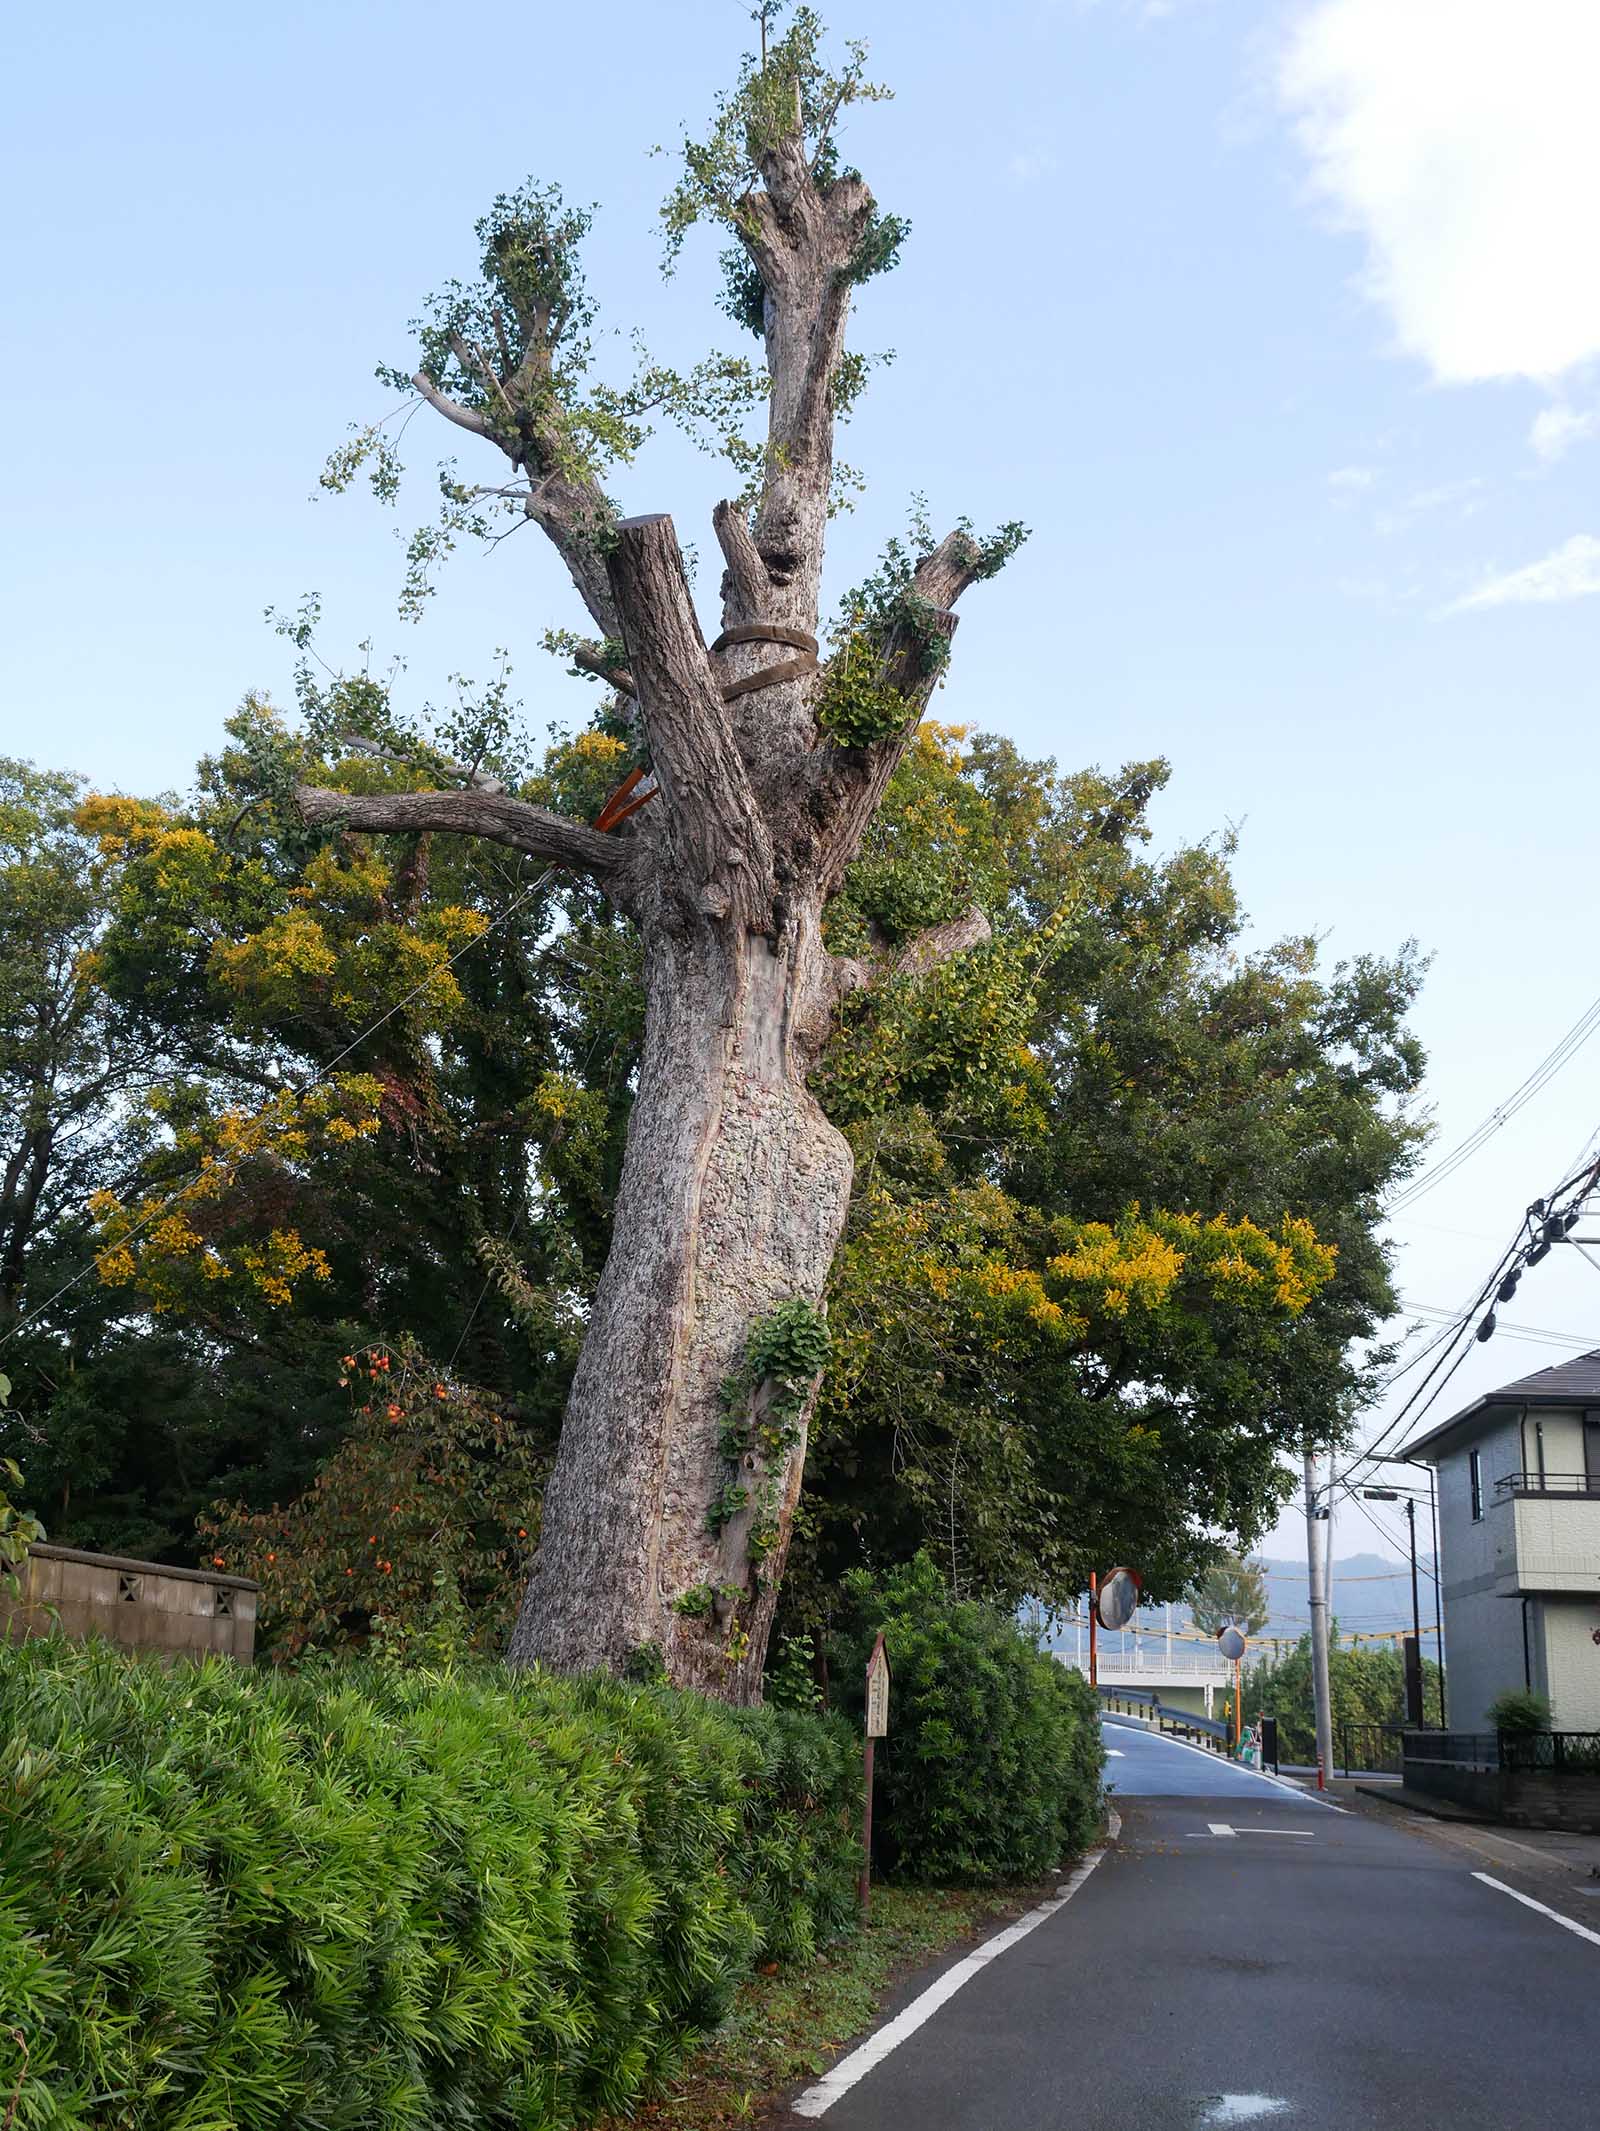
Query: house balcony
[(1549, 1483), (1555, 1536)]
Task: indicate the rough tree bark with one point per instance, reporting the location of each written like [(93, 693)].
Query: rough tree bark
[(734, 1186)]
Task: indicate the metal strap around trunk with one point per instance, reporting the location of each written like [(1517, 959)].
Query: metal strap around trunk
[(769, 676), (785, 670), (765, 633)]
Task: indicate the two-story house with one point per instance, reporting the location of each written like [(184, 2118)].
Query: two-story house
[(1519, 1543)]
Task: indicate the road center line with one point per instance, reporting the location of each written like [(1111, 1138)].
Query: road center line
[(1567, 1923), (817, 2100)]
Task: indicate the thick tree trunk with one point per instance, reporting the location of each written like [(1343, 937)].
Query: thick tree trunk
[(732, 1200)]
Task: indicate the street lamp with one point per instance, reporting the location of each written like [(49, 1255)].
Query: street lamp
[(1391, 1494), (1389, 1458)]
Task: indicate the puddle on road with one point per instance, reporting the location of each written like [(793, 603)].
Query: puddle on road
[(1242, 2108)]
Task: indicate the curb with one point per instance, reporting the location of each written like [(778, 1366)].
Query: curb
[(1426, 1809)]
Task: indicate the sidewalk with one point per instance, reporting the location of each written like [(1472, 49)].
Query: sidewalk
[(1564, 1857)]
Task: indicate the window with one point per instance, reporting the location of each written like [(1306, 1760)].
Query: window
[(1475, 1475)]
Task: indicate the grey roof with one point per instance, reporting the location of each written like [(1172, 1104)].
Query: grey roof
[(1569, 1383)]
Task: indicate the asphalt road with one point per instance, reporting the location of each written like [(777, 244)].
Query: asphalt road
[(1143, 1763), (1248, 1955)]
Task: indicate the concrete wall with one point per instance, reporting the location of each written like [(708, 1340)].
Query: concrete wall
[(143, 1605), (1482, 1621), (1571, 1656), (1557, 1543), (1526, 1798), (1534, 1798), (1558, 1431)]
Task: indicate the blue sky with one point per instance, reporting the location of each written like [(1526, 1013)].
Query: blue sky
[(1276, 323)]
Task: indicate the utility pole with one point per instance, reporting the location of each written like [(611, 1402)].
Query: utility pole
[(1416, 1610), (1319, 1625)]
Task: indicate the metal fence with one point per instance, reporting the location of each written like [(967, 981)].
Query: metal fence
[(1368, 1749), (1562, 1752), (1522, 1752), (1462, 1749)]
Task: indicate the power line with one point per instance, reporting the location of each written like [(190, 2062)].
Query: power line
[(1393, 1538), (1541, 1076), (1546, 1222), (1539, 1335)]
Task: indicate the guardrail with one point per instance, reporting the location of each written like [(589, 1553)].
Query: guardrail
[(1174, 1723)]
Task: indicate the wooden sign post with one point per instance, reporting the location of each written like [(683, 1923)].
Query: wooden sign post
[(877, 1726)]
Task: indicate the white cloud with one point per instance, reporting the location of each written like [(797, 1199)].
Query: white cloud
[(1556, 429), (1572, 572), (1460, 138), (1455, 499), (1350, 480)]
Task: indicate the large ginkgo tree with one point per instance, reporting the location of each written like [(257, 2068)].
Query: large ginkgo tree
[(760, 764)]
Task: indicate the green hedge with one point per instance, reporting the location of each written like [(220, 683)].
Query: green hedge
[(356, 1901), (991, 1770)]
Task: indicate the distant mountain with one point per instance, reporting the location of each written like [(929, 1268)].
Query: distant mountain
[(1369, 1591)]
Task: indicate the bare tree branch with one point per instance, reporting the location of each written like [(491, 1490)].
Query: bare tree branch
[(718, 832), (851, 781), (801, 240), (591, 658), (955, 563), (577, 519), (747, 587), (922, 952), (471, 357), (467, 418), (472, 813)]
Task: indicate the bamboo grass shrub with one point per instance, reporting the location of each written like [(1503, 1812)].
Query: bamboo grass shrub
[(370, 1900)]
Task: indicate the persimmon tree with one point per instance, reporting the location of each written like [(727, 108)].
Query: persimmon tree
[(667, 1517)]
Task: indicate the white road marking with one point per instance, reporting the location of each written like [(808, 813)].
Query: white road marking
[(1115, 1753), (1221, 1828), (1243, 2108), (818, 2100), (1528, 1902)]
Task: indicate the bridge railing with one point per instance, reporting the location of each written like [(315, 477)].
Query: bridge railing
[(1198, 1668)]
